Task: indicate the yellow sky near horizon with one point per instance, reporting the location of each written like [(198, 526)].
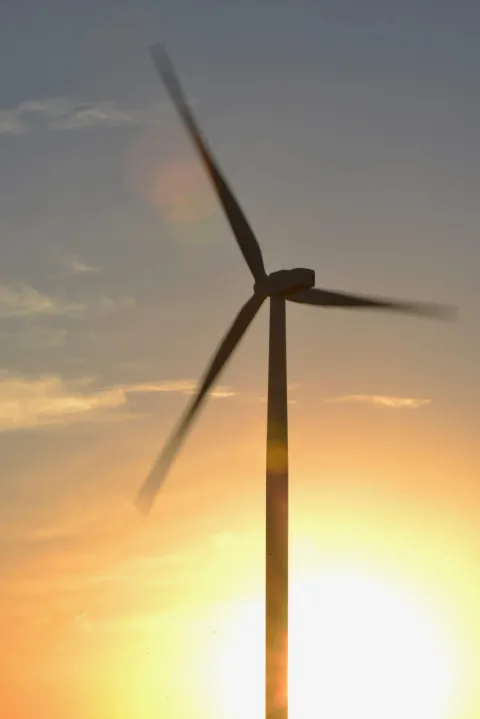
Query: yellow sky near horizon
[(115, 615)]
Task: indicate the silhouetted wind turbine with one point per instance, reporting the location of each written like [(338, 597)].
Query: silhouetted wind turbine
[(295, 285)]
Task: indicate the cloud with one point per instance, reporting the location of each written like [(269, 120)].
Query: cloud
[(74, 266), (27, 403), (183, 386), (381, 401), (21, 300), (62, 113), (10, 123), (221, 392), (93, 114)]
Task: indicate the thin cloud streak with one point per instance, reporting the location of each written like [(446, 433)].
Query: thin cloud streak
[(21, 300), (27, 403), (183, 386), (381, 401), (75, 266), (62, 113), (48, 400)]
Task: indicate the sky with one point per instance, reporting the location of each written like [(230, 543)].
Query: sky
[(349, 133)]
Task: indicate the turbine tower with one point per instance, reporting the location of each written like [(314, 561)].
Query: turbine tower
[(295, 285)]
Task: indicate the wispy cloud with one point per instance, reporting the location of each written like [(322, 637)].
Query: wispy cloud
[(381, 401), (26, 403), (62, 113), (221, 392), (21, 300), (73, 265), (183, 386), (42, 401)]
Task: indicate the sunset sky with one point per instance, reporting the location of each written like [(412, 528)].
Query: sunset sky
[(350, 133)]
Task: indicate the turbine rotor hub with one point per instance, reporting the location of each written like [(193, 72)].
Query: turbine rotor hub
[(285, 282)]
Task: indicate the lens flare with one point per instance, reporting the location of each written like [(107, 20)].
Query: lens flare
[(177, 187), (179, 190)]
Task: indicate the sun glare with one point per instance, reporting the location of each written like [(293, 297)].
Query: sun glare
[(360, 646)]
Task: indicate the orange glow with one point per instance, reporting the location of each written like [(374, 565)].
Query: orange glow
[(179, 190), (165, 618)]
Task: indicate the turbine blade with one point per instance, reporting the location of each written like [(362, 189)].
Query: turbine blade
[(241, 229), (325, 298), (152, 484)]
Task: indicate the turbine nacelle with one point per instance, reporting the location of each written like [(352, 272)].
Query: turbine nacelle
[(285, 282)]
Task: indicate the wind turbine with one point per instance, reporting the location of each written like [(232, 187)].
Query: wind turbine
[(295, 285)]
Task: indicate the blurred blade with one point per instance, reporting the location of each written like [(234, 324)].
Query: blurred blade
[(325, 298), (157, 475), (246, 239)]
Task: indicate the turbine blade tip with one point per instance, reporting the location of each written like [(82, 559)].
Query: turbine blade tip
[(161, 58), (448, 313), (158, 48), (143, 504)]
